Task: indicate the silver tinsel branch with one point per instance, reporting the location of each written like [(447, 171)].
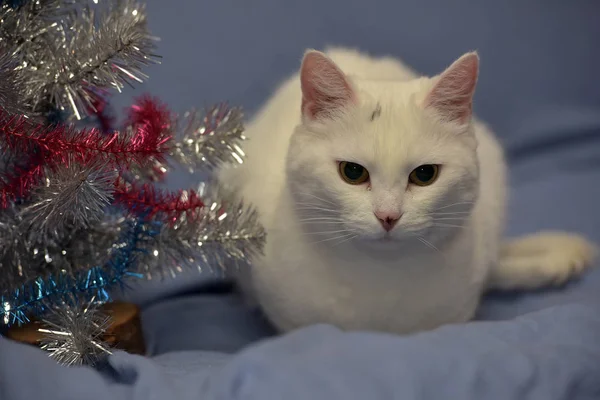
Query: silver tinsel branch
[(72, 334), (11, 83), (74, 194), (202, 141), (26, 26), (68, 52), (206, 141), (27, 254), (69, 229), (66, 228), (221, 235)]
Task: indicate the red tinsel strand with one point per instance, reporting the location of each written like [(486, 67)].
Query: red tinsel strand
[(63, 142), (151, 120), (150, 201), (59, 144)]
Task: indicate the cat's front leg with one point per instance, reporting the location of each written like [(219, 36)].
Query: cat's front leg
[(541, 259)]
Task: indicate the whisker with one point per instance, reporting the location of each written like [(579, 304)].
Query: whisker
[(315, 208), (321, 219), (449, 219), (318, 198), (328, 232), (333, 238), (302, 203), (452, 213), (312, 223), (313, 204), (428, 244), (455, 204), (449, 226), (345, 240)]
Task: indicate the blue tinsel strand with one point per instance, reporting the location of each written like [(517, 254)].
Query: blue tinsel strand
[(34, 297)]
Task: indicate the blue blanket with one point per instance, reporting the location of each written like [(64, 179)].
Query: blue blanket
[(552, 354), (538, 90)]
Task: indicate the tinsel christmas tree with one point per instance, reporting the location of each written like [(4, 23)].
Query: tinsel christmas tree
[(80, 209)]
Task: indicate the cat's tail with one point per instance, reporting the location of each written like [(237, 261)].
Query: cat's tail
[(541, 259)]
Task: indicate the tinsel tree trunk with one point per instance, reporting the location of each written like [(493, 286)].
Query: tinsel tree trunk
[(80, 211)]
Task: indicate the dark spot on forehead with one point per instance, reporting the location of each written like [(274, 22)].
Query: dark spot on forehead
[(377, 112)]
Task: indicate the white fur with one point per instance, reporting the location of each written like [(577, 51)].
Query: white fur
[(324, 258)]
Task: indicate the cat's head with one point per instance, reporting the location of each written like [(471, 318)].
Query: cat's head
[(377, 162)]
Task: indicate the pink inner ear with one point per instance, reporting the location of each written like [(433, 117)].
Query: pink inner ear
[(324, 86), (452, 95)]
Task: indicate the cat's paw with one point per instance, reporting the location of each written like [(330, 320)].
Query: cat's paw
[(565, 256), (543, 259)]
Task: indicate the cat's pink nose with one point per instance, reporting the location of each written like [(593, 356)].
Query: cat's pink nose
[(388, 219)]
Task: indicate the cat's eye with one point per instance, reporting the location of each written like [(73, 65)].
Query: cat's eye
[(353, 173), (424, 175)]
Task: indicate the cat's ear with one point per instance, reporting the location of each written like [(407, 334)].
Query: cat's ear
[(452, 94), (325, 87)]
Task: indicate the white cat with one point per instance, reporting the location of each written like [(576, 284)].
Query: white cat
[(384, 200)]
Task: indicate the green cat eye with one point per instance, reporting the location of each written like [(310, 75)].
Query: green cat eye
[(353, 173), (424, 175)]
